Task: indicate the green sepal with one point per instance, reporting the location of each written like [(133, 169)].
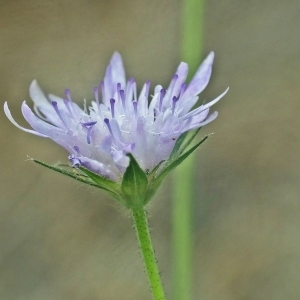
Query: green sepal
[(156, 182), (134, 184)]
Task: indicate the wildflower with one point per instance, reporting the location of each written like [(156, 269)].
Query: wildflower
[(101, 137)]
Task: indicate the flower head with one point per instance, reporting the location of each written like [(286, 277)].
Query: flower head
[(100, 136)]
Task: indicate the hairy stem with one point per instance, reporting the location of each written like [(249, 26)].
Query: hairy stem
[(147, 251)]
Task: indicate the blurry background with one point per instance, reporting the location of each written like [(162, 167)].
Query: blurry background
[(62, 240)]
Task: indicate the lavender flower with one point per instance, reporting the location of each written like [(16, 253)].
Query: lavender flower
[(100, 137)]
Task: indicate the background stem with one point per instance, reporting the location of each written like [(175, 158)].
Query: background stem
[(184, 176), (144, 239)]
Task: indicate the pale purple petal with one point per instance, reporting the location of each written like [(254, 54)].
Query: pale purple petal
[(9, 116), (204, 107), (38, 96), (181, 72), (37, 124), (115, 73), (143, 100), (201, 78), (195, 125), (43, 104), (118, 71)]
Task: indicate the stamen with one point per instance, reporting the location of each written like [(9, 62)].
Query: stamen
[(54, 104), (161, 98), (88, 134), (118, 87), (122, 97), (89, 127), (106, 121), (174, 104), (66, 102), (112, 107), (68, 94), (134, 103)]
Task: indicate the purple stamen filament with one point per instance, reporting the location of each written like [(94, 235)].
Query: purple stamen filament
[(68, 94), (54, 104), (134, 103), (174, 100), (112, 107), (66, 102), (118, 87), (106, 121), (122, 96), (89, 127)]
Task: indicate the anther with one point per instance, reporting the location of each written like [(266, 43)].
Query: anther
[(112, 107)]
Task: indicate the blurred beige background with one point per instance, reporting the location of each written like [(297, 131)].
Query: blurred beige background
[(60, 240)]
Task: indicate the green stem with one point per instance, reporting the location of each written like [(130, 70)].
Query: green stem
[(192, 33), (182, 230), (191, 50), (144, 239)]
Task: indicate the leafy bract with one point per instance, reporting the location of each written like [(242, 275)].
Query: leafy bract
[(134, 184), (137, 187)]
